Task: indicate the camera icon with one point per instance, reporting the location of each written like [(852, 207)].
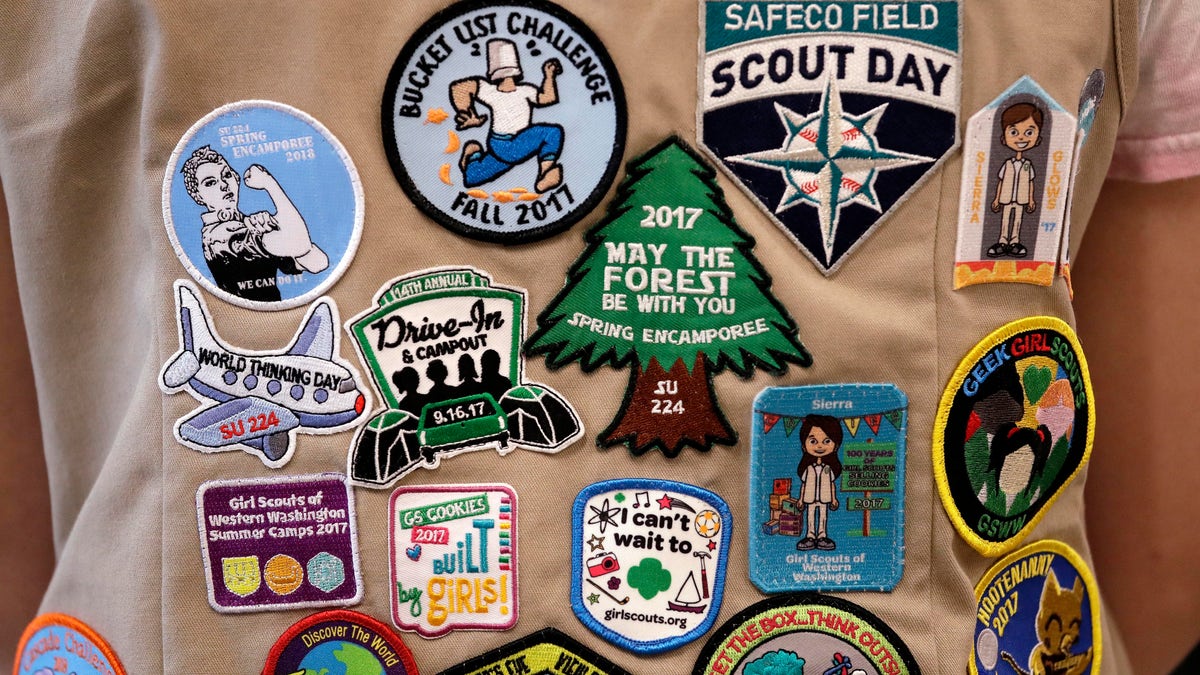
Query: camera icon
[(604, 563)]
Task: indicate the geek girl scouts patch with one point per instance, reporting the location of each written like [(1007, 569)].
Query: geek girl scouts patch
[(829, 114), (805, 634), (279, 543), (262, 205), (648, 561), (1039, 612), (339, 642), (443, 349), (546, 652), (58, 643), (1014, 427), (827, 488), (1013, 201), (453, 558), (257, 401), (504, 122)]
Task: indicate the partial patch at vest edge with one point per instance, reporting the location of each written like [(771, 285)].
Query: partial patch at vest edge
[(339, 640), (60, 643), (829, 117), (805, 633), (1039, 612), (546, 652), (1014, 427)]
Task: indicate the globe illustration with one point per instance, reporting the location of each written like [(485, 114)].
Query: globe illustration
[(338, 657)]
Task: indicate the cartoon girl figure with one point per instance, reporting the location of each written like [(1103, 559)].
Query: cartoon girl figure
[(1016, 461), (819, 469)]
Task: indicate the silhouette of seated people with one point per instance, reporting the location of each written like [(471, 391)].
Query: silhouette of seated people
[(439, 391), (407, 382), (468, 377)]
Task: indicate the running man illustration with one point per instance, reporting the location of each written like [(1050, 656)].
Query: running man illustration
[(1021, 131), (244, 252), (513, 138)]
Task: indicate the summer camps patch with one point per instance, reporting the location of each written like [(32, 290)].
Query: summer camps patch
[(804, 633), (58, 643), (546, 652), (279, 543), (453, 558), (1014, 427), (504, 122), (829, 114), (262, 205), (827, 488), (339, 642), (1039, 612), (648, 561), (443, 348)]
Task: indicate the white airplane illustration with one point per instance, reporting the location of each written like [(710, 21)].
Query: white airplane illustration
[(257, 401)]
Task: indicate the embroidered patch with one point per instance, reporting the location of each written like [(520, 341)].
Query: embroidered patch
[(785, 634), (262, 205), (453, 558), (504, 122), (1039, 612), (829, 114), (421, 327), (257, 401), (1089, 103), (1014, 427), (827, 503), (670, 287), (339, 641), (648, 561), (546, 652), (58, 643), (1012, 204), (279, 543)]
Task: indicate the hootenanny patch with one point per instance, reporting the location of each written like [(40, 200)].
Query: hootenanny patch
[(1014, 427), (257, 401), (443, 347), (1089, 104), (279, 543), (262, 205), (1039, 613), (546, 652), (829, 114), (504, 121), (58, 643), (668, 286), (648, 561), (453, 558), (827, 488), (1012, 204), (805, 633), (339, 641)]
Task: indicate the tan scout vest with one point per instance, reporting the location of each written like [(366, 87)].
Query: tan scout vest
[(95, 98)]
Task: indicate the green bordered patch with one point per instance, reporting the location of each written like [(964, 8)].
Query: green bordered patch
[(59, 643), (805, 633), (339, 642), (1014, 427), (546, 652)]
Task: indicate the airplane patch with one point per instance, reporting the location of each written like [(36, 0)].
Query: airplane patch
[(256, 401)]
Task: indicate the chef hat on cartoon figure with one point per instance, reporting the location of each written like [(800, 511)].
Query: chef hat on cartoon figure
[(502, 60)]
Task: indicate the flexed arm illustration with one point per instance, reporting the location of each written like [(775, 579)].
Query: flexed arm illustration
[(289, 237)]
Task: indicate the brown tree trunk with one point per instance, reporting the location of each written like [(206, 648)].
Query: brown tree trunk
[(687, 412)]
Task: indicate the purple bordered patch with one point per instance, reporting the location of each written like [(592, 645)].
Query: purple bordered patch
[(830, 116), (546, 652), (59, 643), (339, 641)]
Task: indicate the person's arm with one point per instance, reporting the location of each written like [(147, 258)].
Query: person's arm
[(462, 98), (290, 237), (548, 92)]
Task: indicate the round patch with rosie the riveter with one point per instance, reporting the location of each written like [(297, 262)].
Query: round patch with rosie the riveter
[(58, 643), (1039, 612), (504, 121), (805, 633), (339, 641), (1014, 427)]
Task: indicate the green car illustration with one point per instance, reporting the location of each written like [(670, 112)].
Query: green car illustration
[(459, 422)]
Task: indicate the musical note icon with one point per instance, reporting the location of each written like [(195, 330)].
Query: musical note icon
[(641, 499)]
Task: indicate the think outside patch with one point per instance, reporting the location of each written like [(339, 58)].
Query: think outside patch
[(59, 643), (1038, 612), (805, 633), (453, 558), (257, 401), (829, 114), (339, 641), (827, 501), (669, 287), (263, 205), (1013, 200), (504, 122), (546, 652), (648, 561), (443, 347), (1013, 429), (279, 543)]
